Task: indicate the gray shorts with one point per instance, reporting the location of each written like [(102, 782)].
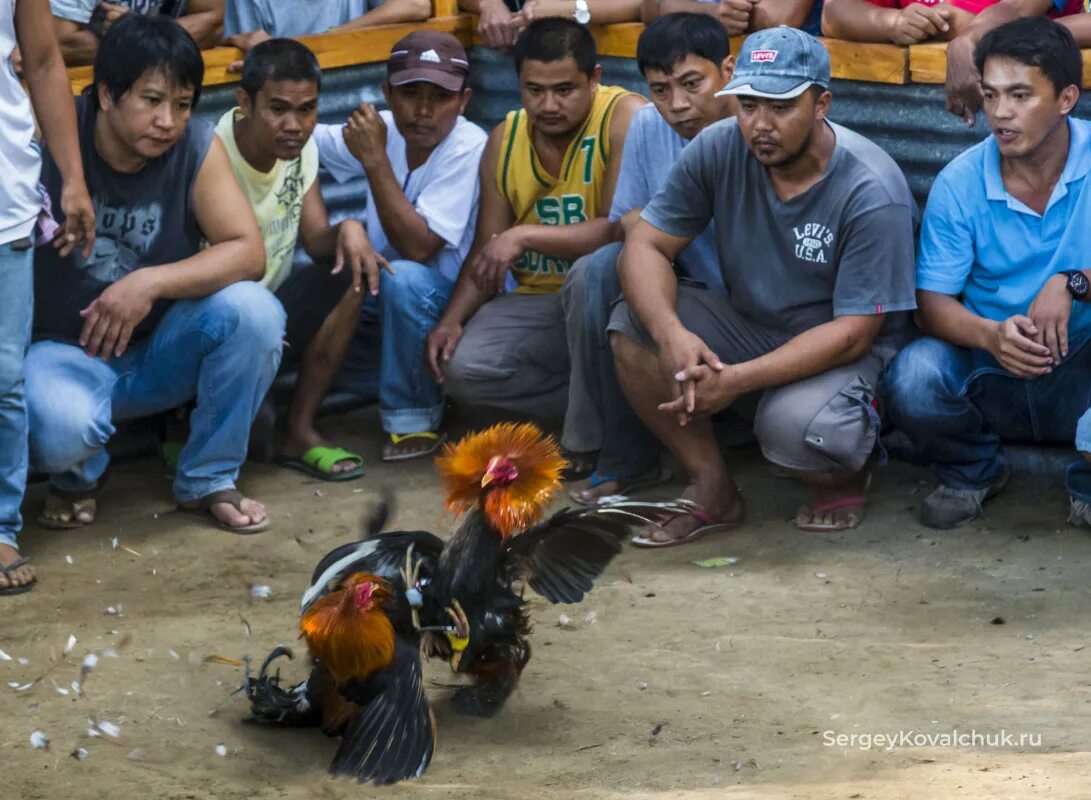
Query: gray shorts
[(828, 422)]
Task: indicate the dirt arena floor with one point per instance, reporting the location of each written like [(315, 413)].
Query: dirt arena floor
[(763, 678)]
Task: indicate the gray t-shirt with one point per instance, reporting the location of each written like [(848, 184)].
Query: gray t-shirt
[(843, 247), (292, 17)]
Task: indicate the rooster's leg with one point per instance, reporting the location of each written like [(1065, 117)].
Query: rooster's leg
[(496, 676), (270, 703)]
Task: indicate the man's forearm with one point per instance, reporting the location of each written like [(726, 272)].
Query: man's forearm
[(650, 287), (210, 270), (603, 12), (466, 297), (49, 90), (206, 28), (689, 6), (405, 229), (389, 13), (78, 48), (820, 349), (567, 241), (857, 20), (1079, 25), (944, 317)]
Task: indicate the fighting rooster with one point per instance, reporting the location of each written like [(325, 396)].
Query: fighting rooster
[(373, 603)]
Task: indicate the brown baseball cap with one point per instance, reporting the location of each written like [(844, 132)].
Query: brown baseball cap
[(429, 57)]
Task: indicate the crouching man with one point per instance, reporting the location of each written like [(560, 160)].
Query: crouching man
[(1002, 296), (150, 320), (814, 233)]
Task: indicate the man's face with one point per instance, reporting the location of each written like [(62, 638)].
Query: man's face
[(556, 95), (686, 96), (779, 131), (1022, 105), (424, 113), (282, 116), (149, 118)]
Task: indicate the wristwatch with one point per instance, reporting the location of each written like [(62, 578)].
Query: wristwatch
[(1077, 285), (582, 14)]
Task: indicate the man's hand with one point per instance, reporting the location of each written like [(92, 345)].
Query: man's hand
[(79, 220), (245, 42), (365, 135), (1050, 312), (1014, 347), (629, 220), (713, 391), (441, 344), (490, 266), (963, 82), (918, 22), (354, 249), (735, 15), (109, 321), (496, 25), (105, 15), (679, 352)]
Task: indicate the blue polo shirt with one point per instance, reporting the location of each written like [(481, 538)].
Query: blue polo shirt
[(981, 244)]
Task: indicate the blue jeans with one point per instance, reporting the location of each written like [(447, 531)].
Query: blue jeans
[(16, 305), (222, 349), (958, 404), (626, 447), (387, 358)]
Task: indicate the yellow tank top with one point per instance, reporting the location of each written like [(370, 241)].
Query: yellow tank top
[(541, 199)]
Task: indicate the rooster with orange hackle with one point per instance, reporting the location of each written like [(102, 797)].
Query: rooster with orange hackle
[(373, 605)]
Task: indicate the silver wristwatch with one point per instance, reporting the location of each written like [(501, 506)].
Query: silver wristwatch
[(582, 14)]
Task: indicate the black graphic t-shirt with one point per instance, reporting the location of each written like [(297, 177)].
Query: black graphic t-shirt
[(142, 219)]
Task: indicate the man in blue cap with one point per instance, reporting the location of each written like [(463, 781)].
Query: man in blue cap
[(814, 237)]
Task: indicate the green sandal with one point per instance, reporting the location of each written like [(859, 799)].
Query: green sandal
[(318, 463), (435, 440)]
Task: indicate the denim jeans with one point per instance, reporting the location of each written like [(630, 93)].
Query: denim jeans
[(626, 447), (387, 358), (222, 349), (957, 405), (16, 305)]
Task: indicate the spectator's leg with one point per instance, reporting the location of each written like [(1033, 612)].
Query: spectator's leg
[(224, 348), (823, 430), (411, 302), (69, 408), (513, 357), (16, 304), (322, 312)]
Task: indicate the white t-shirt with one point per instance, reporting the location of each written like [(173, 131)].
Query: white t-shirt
[(20, 156), (444, 189)]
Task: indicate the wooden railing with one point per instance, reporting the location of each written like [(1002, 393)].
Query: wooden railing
[(875, 63)]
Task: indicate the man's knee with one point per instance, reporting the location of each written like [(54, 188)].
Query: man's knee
[(923, 369), (248, 312), (66, 428), (11, 365), (413, 287)]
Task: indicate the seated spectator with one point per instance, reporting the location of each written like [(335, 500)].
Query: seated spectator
[(50, 101), (81, 24), (501, 21), (686, 61), (268, 140), (421, 159), (151, 320), (744, 16), (814, 231), (963, 79), (1005, 308), (903, 22), (547, 181), (250, 22)]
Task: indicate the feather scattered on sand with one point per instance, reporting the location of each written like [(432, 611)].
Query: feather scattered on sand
[(69, 560), (71, 644), (4, 656), (221, 751), (260, 592), (39, 740)]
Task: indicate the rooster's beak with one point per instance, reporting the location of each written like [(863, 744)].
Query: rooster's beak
[(490, 472)]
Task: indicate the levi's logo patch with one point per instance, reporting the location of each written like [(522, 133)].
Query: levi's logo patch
[(763, 56)]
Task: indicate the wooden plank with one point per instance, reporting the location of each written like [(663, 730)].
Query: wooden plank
[(366, 46), (876, 63), (444, 8), (618, 40), (928, 63)]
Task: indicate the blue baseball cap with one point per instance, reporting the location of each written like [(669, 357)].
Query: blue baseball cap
[(779, 64)]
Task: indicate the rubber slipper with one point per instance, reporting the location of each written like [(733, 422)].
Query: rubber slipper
[(691, 509), (9, 591), (832, 505), (200, 510), (75, 498), (659, 474), (436, 441), (318, 463)]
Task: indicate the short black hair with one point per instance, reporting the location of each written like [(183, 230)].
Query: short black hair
[(555, 39), (137, 43), (279, 60), (672, 37), (1037, 42)]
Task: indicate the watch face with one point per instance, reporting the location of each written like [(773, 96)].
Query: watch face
[(582, 15), (1078, 284)]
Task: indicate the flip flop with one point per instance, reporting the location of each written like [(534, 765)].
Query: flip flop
[(75, 498), (580, 465), (832, 505), (436, 440), (318, 461), (14, 590), (657, 475), (200, 510), (691, 509)]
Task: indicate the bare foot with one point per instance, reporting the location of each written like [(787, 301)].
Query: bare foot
[(65, 513), (17, 577), (252, 513), (723, 504), (300, 441)]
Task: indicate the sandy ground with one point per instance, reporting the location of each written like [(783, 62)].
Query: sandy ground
[(689, 683)]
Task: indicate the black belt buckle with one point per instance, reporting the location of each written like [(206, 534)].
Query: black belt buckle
[(20, 245)]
